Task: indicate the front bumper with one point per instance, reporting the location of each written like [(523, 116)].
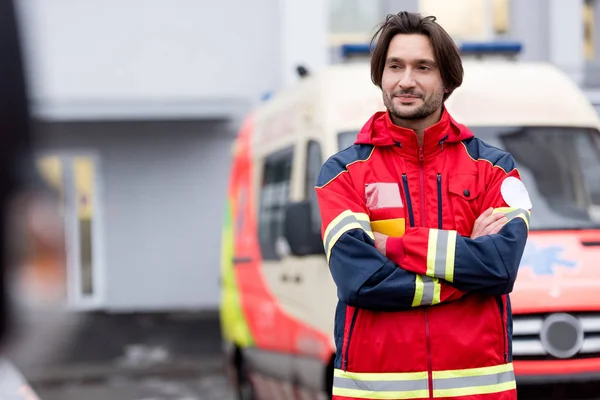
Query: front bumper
[(557, 371)]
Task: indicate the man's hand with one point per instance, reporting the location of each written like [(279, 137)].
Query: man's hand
[(488, 223), (380, 241)]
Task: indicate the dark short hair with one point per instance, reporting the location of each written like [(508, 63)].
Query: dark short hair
[(446, 53)]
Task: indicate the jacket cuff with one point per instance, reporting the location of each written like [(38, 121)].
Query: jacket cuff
[(394, 249)]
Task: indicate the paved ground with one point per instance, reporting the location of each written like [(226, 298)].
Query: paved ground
[(171, 356), (164, 357), (211, 387)]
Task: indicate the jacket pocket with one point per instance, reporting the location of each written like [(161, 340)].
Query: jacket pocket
[(502, 311), (349, 338), (464, 196), (386, 341), (388, 220)]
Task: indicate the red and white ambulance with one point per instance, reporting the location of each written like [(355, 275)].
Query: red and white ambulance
[(278, 298)]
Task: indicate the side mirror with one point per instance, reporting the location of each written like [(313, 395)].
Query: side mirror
[(300, 230)]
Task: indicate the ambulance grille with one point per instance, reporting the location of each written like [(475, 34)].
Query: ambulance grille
[(556, 336)]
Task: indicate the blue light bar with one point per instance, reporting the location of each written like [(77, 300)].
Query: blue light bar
[(355, 49), (364, 49), (490, 47)]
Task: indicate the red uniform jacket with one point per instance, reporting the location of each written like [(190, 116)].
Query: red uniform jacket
[(432, 318)]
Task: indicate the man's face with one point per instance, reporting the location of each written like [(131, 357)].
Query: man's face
[(411, 83)]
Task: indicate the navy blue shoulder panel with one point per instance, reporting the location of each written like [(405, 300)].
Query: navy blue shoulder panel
[(480, 150), (339, 162)]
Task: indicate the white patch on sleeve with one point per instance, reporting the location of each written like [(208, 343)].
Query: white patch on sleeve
[(515, 194)]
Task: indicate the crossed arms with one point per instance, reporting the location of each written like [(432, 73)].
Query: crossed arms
[(425, 266)]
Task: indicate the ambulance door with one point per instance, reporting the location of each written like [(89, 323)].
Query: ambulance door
[(274, 180), (313, 282), (313, 285), (301, 283)]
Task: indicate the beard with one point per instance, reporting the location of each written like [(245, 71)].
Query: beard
[(431, 104)]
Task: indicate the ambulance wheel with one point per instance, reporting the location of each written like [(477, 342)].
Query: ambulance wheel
[(245, 389)]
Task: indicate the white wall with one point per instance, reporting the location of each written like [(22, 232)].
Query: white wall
[(304, 33), (107, 52), (566, 37), (164, 188)]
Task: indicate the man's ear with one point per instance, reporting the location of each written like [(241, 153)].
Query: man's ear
[(446, 91)]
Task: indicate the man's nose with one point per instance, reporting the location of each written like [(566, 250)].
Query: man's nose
[(407, 80)]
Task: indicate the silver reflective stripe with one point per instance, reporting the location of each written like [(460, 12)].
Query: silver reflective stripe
[(516, 213), (365, 225), (441, 254), (473, 381), (428, 291), (380, 386)]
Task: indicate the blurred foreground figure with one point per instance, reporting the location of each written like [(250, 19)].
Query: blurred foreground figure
[(31, 240), (424, 227)]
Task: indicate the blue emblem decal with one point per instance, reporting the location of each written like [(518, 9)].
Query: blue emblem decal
[(545, 260)]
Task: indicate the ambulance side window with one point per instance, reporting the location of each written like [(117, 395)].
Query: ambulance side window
[(314, 161), (274, 194)]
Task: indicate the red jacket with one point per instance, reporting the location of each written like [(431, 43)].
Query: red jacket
[(431, 319)]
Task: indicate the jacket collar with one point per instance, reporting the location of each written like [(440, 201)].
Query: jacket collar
[(381, 131), (406, 139)]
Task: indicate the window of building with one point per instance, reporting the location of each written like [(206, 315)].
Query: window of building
[(470, 19), (274, 195), (353, 20), (588, 29), (501, 16), (75, 180)]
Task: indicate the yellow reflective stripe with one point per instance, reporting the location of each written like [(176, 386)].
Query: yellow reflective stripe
[(469, 391), (419, 288), (427, 291), (450, 256), (473, 381), (512, 213), (441, 248), (460, 373), (335, 222), (437, 291), (411, 385), (381, 376), (396, 385), (432, 252), (469, 382), (341, 224), (393, 395)]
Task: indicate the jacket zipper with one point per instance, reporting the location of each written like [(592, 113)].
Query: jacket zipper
[(423, 224), (500, 303), (411, 217), (429, 367), (350, 337), (422, 187), (439, 187)]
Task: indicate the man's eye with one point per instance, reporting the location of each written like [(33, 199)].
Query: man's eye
[(424, 67)]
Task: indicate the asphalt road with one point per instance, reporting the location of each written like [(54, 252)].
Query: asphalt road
[(215, 387), (211, 387)]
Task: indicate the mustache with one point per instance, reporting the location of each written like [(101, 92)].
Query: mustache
[(407, 93)]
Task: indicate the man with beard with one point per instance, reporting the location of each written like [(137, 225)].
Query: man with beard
[(424, 226)]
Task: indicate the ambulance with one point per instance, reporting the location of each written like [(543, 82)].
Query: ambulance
[(278, 297)]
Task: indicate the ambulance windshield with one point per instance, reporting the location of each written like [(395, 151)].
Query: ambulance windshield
[(560, 166)]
